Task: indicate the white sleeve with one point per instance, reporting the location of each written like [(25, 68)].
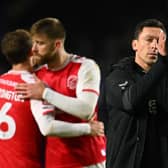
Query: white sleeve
[(44, 116), (82, 106)]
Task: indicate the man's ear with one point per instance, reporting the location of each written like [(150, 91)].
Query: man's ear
[(58, 43), (134, 45)]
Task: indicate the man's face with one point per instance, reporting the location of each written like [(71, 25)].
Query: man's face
[(43, 47), (146, 52)]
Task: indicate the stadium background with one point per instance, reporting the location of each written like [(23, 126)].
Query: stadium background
[(101, 30)]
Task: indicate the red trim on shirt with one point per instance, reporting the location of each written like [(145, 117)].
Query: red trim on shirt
[(47, 112), (91, 90)]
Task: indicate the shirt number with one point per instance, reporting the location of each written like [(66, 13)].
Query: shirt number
[(7, 123)]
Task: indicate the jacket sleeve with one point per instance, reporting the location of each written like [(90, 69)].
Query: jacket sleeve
[(128, 93)]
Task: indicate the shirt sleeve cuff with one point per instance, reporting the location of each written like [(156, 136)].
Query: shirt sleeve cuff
[(46, 93)]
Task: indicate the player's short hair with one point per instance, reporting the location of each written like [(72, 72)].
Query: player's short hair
[(16, 46), (51, 27)]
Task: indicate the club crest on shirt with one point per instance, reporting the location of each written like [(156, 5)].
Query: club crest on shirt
[(72, 81)]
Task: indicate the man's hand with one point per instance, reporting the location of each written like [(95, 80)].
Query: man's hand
[(97, 128), (162, 44), (33, 90)]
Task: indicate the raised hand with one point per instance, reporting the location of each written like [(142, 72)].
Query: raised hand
[(162, 44)]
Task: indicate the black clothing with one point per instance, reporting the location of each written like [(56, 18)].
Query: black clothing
[(137, 121)]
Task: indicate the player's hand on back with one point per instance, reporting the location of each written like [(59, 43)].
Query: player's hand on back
[(30, 90), (97, 128)]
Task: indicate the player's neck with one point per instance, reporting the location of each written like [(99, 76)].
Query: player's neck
[(22, 67), (59, 61)]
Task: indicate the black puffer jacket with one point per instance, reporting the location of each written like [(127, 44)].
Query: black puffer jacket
[(137, 121)]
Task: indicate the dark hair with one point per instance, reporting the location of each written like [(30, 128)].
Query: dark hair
[(16, 46), (148, 23), (51, 27)]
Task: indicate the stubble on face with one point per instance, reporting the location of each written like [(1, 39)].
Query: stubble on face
[(47, 56)]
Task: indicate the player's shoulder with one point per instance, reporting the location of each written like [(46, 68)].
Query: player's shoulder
[(82, 59), (4, 75), (28, 77), (19, 76)]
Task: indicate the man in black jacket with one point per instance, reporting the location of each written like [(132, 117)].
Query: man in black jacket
[(136, 96)]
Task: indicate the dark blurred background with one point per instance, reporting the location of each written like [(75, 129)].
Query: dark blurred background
[(101, 30)]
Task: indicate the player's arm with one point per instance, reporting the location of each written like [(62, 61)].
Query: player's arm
[(87, 92), (82, 106), (44, 116)]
